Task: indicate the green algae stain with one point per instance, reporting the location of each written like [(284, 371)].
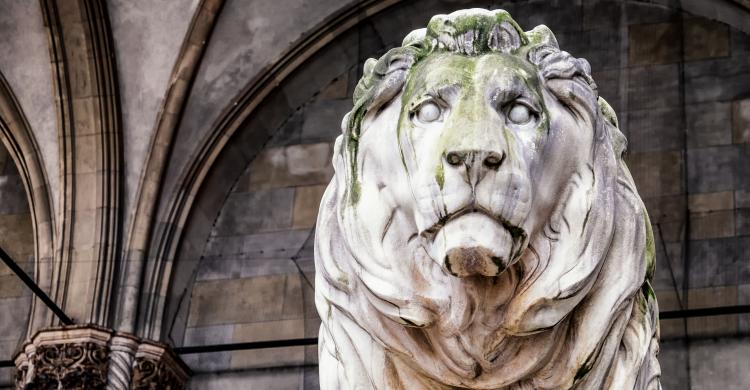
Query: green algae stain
[(650, 250), (440, 174), (648, 291), (352, 147)]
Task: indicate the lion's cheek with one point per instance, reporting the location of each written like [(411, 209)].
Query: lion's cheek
[(568, 144)]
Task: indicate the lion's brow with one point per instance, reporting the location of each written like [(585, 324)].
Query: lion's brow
[(444, 91), (509, 89)]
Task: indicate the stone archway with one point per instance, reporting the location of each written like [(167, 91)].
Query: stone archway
[(25, 227)]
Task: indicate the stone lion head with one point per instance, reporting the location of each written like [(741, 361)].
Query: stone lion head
[(482, 229)]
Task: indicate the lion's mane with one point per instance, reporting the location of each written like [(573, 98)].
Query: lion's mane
[(575, 309)]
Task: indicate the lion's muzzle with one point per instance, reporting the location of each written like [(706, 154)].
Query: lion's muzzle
[(472, 244)]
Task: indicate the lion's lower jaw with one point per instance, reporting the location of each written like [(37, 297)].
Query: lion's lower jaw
[(474, 244)]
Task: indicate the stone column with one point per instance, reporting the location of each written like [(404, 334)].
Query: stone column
[(92, 357), (121, 356)]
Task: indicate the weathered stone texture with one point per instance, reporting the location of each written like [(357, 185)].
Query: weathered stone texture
[(271, 330), (713, 169), (654, 43), (704, 39), (657, 173), (719, 364), (667, 214), (712, 215), (742, 222), (232, 60), (323, 118), (306, 202), (711, 201), (17, 239), (260, 234), (208, 335), (278, 379), (719, 262), (711, 297), (260, 298), (743, 298), (654, 130), (28, 72), (148, 42), (708, 124), (289, 166), (712, 224), (258, 211), (653, 87), (741, 121), (711, 363)]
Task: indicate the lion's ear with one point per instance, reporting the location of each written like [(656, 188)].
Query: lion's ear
[(542, 36), (415, 38)]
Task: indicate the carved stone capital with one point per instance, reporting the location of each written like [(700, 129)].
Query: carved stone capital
[(92, 357), (157, 367)]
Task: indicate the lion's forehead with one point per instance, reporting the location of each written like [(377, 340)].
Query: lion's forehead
[(450, 69)]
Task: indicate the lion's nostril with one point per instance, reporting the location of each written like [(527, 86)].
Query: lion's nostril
[(454, 158), (493, 161)]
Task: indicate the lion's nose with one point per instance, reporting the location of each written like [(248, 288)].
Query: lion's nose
[(475, 160)]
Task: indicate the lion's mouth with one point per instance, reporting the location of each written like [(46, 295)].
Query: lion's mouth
[(432, 231), (471, 241)]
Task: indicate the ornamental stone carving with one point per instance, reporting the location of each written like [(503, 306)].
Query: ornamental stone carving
[(482, 230), (91, 357), (155, 369)]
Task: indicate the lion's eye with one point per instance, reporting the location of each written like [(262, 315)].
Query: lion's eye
[(519, 114), (428, 112)]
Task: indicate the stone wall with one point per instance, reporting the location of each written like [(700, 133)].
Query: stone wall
[(17, 239), (261, 247), (689, 156)]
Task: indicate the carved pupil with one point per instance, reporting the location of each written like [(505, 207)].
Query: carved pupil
[(519, 114), (428, 112)]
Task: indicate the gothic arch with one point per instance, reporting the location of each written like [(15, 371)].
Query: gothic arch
[(166, 239), (89, 140), (18, 139)]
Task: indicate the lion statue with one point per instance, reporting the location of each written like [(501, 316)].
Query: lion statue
[(482, 230)]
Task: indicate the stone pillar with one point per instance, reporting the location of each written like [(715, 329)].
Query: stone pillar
[(123, 348), (92, 357)]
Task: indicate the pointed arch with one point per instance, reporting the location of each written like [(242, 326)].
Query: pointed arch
[(165, 239), (18, 139), (90, 142)]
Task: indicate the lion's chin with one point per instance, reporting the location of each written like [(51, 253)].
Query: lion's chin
[(473, 244)]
